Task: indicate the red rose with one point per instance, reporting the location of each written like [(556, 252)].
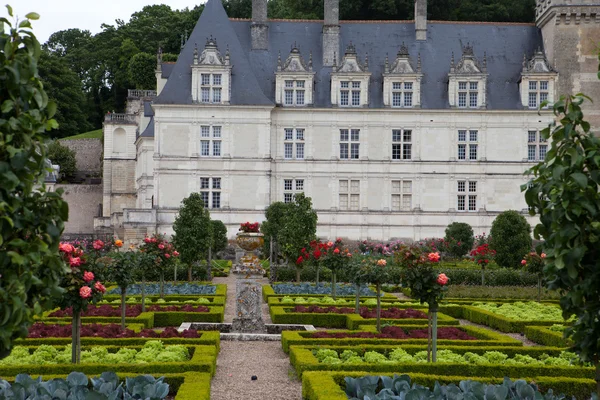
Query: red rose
[(100, 287), (336, 251), (98, 244), (167, 255), (66, 248), (88, 276), (299, 260), (442, 279), (147, 240), (85, 292), (75, 261), (523, 262)]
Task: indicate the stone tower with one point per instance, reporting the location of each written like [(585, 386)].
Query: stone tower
[(571, 33)]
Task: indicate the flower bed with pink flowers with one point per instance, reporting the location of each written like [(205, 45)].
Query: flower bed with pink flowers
[(396, 332), (130, 311), (365, 312)]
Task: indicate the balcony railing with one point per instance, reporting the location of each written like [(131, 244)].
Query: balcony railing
[(118, 118), (138, 93)]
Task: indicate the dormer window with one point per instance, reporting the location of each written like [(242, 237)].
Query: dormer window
[(402, 82), (467, 81), (294, 81), (211, 75), (537, 81), (350, 81)]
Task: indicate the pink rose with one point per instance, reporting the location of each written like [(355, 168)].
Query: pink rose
[(88, 276), (442, 279), (161, 246), (75, 261), (523, 262), (434, 257), (66, 248), (543, 255), (382, 262), (175, 253), (167, 255), (98, 244), (85, 292), (329, 244), (100, 287), (147, 240), (336, 251)]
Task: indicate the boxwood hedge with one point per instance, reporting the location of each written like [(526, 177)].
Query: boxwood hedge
[(544, 336)]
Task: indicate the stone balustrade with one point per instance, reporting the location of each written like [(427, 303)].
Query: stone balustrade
[(119, 118), (138, 93)]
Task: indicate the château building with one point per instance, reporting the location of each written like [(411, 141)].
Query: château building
[(395, 129)]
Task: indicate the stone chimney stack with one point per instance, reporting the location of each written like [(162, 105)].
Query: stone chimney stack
[(331, 32), (259, 29), (421, 19)]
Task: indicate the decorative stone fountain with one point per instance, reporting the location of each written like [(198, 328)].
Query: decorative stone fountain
[(248, 289)]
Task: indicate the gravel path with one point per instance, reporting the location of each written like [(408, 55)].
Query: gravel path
[(239, 361), (526, 342)]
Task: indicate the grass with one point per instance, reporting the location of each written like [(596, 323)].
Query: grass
[(97, 134)]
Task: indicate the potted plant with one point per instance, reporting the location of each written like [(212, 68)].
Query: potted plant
[(249, 237)]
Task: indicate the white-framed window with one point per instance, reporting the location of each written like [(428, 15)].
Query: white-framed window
[(467, 196), (538, 93), (467, 145), (294, 93), (210, 191), (292, 187), (402, 144), (349, 195), (211, 88), (402, 94), (293, 144), (468, 94), (350, 93), (401, 195), (349, 144), (537, 146), (210, 142)]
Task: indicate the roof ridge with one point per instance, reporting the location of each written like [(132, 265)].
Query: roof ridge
[(391, 21)]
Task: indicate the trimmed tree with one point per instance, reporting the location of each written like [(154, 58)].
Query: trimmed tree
[(274, 220), (64, 157), (193, 232), (121, 272), (298, 230), (459, 239), (219, 235), (511, 238), (564, 193), (31, 268)]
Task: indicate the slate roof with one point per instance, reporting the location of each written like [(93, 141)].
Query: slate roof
[(253, 78), (148, 111), (149, 131)]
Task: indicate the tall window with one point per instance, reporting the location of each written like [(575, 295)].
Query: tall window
[(349, 194), (210, 191), (538, 93), (402, 94), (537, 146), (350, 93), (401, 144), (467, 196), (293, 144), (211, 88), (294, 93), (467, 144), (468, 93), (292, 187), (401, 195), (210, 143), (349, 144)]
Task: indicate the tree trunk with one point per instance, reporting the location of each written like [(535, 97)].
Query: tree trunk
[(318, 270), (76, 338), (123, 306), (357, 302), (143, 293), (429, 336), (378, 287), (333, 284), (189, 272), (175, 274), (598, 377), (434, 330), (539, 289), (482, 277), (209, 266), (162, 284), (297, 274)]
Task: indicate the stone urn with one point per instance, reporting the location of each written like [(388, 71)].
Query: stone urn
[(249, 264), (250, 241)]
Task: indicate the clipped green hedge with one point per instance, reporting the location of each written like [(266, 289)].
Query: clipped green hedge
[(385, 302), (493, 320), (328, 385), (207, 338), (303, 360), (220, 291), (485, 338), (544, 336), (354, 321), (146, 319), (203, 359)]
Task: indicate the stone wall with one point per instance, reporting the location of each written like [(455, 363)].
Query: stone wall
[(88, 154), (84, 204)]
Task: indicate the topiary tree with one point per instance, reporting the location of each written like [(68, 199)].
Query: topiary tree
[(511, 238), (564, 193), (299, 228), (274, 220), (31, 221), (219, 235), (193, 232), (64, 157), (459, 239)]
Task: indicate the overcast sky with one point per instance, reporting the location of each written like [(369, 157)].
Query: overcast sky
[(57, 15)]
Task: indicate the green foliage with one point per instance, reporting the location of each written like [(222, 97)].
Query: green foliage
[(564, 192), (31, 219), (141, 69), (75, 386), (511, 238), (193, 229), (219, 236), (519, 311), (498, 292), (274, 221), (64, 157), (95, 134), (418, 274), (459, 238), (547, 335)]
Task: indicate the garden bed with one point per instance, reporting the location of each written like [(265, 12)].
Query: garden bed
[(484, 337), (547, 335), (130, 310), (268, 291), (167, 301), (325, 301), (153, 288), (329, 385)]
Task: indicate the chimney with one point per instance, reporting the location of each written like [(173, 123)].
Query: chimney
[(259, 29), (421, 19), (331, 32)]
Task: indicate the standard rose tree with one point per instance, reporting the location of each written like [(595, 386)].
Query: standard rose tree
[(375, 271), (482, 256), (534, 264), (159, 255)]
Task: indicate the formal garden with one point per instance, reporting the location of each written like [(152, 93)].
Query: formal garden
[(492, 316)]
